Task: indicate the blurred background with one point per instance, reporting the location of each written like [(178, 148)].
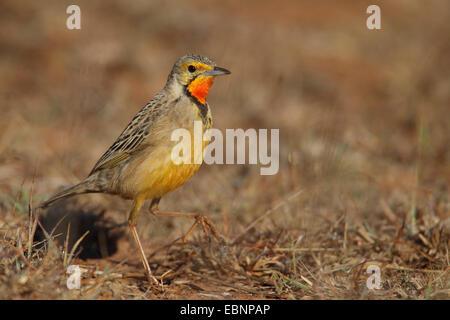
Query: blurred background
[(363, 114)]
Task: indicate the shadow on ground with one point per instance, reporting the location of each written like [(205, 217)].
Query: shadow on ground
[(68, 223)]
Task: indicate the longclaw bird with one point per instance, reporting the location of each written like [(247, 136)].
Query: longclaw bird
[(138, 165)]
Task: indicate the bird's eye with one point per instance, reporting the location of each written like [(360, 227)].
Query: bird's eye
[(191, 68)]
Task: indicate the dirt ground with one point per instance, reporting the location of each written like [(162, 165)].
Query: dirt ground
[(364, 169)]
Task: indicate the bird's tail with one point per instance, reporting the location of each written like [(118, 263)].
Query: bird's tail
[(85, 186)]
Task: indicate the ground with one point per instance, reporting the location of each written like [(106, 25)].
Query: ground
[(364, 169)]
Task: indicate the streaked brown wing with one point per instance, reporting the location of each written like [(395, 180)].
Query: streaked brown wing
[(130, 140)]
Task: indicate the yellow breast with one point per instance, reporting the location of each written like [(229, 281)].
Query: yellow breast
[(167, 178), (159, 174)]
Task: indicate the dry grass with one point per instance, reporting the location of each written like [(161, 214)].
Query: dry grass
[(364, 159)]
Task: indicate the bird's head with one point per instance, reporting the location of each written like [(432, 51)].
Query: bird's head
[(196, 74)]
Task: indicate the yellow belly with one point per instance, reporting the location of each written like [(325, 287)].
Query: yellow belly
[(156, 174), (166, 178)]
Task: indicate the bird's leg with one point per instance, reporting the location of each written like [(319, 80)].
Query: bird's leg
[(137, 203), (199, 219)]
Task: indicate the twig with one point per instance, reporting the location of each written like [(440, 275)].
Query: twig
[(439, 276), (398, 268), (304, 249), (75, 247), (224, 283), (279, 205)]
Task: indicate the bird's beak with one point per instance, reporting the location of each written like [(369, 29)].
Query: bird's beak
[(217, 71)]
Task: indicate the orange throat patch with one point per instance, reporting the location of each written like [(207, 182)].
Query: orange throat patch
[(199, 88)]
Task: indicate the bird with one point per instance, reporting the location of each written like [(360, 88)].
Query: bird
[(138, 166)]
